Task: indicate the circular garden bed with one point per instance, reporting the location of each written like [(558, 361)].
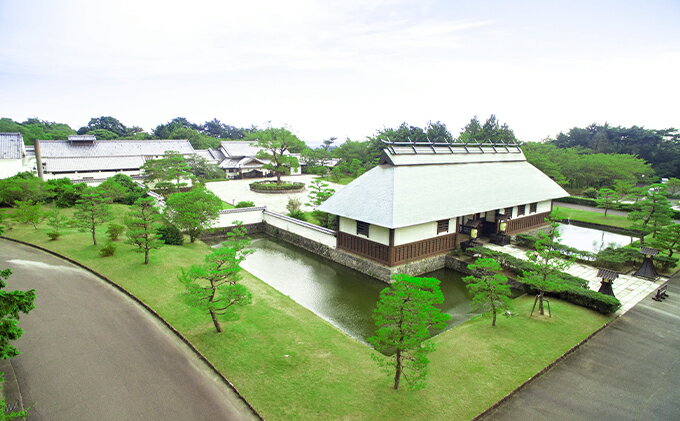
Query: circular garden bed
[(274, 187)]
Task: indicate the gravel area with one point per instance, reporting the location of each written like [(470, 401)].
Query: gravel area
[(235, 191)]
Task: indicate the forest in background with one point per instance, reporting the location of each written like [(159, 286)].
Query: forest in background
[(595, 156)]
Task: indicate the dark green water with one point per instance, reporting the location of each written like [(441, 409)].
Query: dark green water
[(340, 295)]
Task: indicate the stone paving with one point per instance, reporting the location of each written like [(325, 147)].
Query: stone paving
[(234, 191), (629, 289)]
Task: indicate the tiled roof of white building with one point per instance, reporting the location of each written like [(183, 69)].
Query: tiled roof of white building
[(420, 188), (239, 148), (11, 146), (104, 148), (82, 164)]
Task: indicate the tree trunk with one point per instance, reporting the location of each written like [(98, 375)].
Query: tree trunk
[(397, 374), (278, 177), (216, 322), (94, 236), (540, 304), (146, 256), (605, 211), (493, 310)]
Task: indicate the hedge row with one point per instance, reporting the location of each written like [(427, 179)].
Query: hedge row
[(271, 185), (571, 288)]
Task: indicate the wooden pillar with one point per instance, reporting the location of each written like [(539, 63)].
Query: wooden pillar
[(38, 159), (391, 249)]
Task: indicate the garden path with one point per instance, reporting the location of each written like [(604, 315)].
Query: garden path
[(629, 289)]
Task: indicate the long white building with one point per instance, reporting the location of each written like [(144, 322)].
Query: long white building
[(421, 201), (86, 159), (13, 156)]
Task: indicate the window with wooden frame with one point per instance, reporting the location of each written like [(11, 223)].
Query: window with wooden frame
[(521, 210), (442, 226), (508, 212), (533, 207), (362, 228)]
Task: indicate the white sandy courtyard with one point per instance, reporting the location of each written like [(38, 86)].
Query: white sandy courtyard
[(234, 191)]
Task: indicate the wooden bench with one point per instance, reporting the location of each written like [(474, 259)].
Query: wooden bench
[(661, 293)]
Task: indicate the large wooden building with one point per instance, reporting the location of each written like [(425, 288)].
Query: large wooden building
[(424, 199)]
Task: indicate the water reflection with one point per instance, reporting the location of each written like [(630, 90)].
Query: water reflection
[(340, 295), (589, 239)]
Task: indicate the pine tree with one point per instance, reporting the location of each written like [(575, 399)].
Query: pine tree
[(143, 223), (213, 286), (404, 315), (546, 261), (652, 211), (489, 287), (91, 211)]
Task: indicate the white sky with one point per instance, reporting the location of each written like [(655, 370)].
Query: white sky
[(343, 68)]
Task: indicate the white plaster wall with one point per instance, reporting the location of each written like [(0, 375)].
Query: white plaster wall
[(301, 230), (92, 174), (10, 167), (544, 206), (247, 217), (420, 232), (375, 233)]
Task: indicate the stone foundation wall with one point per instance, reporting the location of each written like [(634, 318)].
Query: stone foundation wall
[(222, 232), (360, 264)]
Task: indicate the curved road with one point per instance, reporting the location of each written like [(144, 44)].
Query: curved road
[(90, 353)]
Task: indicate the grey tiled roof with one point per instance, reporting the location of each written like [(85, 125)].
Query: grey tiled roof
[(235, 149), (109, 148), (11, 146), (93, 163)]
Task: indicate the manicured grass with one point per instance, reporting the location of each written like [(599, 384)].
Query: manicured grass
[(226, 205), (593, 217), (290, 364), (342, 180)]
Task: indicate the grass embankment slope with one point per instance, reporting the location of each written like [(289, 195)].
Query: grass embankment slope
[(592, 217), (290, 364)]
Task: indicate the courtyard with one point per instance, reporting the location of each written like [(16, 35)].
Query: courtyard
[(234, 191)]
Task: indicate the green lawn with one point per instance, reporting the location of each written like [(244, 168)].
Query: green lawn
[(290, 364), (342, 180), (593, 217)]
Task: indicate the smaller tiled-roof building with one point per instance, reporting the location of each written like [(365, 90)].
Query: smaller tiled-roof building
[(424, 200), (84, 158), (13, 158), (238, 159)]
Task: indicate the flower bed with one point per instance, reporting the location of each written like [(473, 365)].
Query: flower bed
[(274, 187)]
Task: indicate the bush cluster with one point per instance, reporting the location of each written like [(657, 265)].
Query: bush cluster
[(244, 204), (272, 185), (108, 250), (170, 234), (570, 288)]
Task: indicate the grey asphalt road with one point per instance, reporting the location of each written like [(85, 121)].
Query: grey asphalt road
[(91, 353), (629, 371)]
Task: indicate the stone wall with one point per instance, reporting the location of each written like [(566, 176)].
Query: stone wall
[(222, 232), (360, 264)]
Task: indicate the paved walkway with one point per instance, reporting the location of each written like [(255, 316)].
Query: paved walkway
[(629, 371), (90, 353), (629, 289), (235, 191)]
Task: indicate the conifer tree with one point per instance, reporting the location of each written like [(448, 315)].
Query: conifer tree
[(143, 223), (489, 288), (92, 210)]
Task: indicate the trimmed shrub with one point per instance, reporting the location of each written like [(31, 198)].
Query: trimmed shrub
[(108, 250), (590, 192), (274, 186), (665, 262), (171, 235), (571, 288), (297, 214), (53, 235), (113, 231), (576, 200), (245, 204)]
